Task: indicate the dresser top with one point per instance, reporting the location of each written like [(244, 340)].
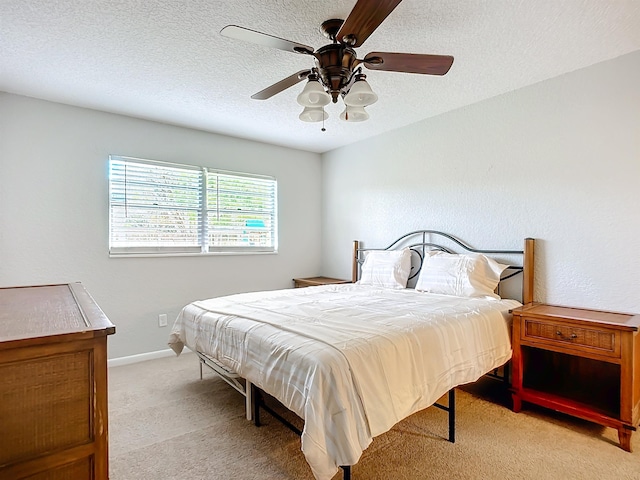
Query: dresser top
[(49, 310)]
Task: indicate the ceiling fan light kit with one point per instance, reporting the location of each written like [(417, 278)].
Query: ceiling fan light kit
[(354, 114), (360, 94), (337, 72), (314, 94), (313, 114)]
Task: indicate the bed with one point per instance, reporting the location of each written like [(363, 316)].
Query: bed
[(424, 315)]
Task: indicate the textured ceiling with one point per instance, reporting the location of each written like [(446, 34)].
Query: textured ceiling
[(165, 60)]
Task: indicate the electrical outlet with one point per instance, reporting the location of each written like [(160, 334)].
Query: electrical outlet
[(162, 320)]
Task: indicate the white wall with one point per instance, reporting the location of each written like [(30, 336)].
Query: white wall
[(558, 161), (54, 214)]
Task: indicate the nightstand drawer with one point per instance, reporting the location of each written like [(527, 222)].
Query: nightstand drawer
[(600, 341)]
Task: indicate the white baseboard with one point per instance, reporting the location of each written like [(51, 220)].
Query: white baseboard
[(141, 357)]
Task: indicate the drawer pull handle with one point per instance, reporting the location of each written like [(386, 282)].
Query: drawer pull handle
[(573, 335)]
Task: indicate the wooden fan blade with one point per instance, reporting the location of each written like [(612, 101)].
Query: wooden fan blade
[(366, 16), (409, 62), (241, 33), (283, 84)]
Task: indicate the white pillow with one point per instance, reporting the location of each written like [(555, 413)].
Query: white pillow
[(468, 275), (386, 268)]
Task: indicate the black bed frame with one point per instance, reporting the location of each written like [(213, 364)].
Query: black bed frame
[(258, 402), (419, 242)]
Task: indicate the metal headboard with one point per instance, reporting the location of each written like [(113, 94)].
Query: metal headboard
[(421, 241)]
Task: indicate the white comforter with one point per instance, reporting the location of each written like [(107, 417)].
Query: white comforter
[(351, 360)]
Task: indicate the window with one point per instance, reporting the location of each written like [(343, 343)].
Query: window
[(166, 208)]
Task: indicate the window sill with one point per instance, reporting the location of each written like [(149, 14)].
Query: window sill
[(186, 254)]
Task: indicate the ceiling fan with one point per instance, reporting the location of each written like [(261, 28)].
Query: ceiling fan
[(337, 71)]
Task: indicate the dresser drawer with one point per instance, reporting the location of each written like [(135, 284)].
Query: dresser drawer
[(567, 336)]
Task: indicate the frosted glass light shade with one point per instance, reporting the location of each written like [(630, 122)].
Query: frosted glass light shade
[(313, 114), (313, 95), (354, 114), (360, 95)]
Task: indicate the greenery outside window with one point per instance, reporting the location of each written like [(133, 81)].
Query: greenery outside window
[(166, 208)]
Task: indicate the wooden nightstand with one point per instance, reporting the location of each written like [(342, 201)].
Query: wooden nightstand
[(311, 281), (585, 363)]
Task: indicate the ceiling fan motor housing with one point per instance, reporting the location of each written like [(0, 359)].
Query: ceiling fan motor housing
[(336, 63)]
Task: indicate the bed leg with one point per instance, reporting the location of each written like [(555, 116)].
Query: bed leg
[(200, 362), (256, 405), (452, 415), (450, 408), (346, 472), (248, 401)]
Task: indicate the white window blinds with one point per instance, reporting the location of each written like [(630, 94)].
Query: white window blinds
[(163, 208), (240, 211)]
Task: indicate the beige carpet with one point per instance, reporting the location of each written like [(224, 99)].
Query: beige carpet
[(166, 423)]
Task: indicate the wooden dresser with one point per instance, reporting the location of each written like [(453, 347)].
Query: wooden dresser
[(581, 362), (53, 384)]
